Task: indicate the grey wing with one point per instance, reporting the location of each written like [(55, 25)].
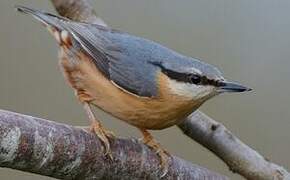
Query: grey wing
[(115, 60), (92, 45), (136, 78), (119, 63)]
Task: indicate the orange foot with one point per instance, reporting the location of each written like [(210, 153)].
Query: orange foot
[(104, 136), (98, 129), (161, 152)]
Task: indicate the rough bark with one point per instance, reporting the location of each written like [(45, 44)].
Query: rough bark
[(238, 156), (61, 151)]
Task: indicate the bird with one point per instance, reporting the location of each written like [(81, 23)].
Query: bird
[(136, 80)]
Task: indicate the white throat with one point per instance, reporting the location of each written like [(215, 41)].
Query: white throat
[(189, 90)]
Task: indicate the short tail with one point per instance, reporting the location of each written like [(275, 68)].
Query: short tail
[(44, 17)]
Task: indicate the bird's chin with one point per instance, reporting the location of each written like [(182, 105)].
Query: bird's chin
[(207, 97)]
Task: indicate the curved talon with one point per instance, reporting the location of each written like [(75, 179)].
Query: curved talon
[(109, 133), (165, 160), (162, 153), (103, 135), (97, 128)]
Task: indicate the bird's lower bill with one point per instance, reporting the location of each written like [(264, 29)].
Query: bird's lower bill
[(232, 87)]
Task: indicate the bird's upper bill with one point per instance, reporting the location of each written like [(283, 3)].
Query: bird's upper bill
[(232, 87)]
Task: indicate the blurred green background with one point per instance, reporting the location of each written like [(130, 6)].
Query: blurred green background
[(247, 39)]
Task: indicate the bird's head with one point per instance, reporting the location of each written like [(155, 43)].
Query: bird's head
[(197, 80)]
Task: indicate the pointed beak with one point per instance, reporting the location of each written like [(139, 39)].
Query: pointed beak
[(232, 87)]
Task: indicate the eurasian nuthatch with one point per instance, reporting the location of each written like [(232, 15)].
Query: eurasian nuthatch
[(134, 79)]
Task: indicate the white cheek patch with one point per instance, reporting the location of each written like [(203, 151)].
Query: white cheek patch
[(188, 90)]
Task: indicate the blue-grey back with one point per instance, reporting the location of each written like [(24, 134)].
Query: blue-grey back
[(143, 55)]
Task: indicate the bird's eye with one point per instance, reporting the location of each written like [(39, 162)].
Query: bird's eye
[(195, 79)]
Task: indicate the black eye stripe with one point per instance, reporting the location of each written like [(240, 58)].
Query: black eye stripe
[(176, 75), (187, 77), (182, 77)]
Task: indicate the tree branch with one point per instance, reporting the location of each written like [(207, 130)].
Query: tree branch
[(238, 156), (57, 150), (77, 10)]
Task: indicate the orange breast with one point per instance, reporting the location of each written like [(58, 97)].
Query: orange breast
[(151, 113)]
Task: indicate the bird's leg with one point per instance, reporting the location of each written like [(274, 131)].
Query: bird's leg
[(108, 133), (85, 99), (162, 153), (97, 128)]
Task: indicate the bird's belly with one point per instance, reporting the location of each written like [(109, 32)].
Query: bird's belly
[(142, 112), (153, 115)]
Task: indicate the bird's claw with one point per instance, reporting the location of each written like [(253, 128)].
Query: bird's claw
[(163, 154), (104, 136), (165, 158)]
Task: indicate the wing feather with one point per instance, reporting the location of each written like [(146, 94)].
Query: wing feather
[(114, 60)]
